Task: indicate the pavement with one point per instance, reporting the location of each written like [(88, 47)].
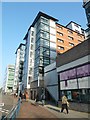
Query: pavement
[(31, 109)]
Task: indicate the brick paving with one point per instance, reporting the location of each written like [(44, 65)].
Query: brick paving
[(29, 110)]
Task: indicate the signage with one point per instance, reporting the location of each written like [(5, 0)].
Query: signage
[(74, 73)]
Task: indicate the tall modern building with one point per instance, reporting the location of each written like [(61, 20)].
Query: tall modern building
[(29, 58), (49, 38), (9, 79), (17, 86), (86, 5)]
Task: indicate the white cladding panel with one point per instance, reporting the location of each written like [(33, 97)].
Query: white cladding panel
[(53, 54), (71, 84), (84, 82), (52, 38), (52, 30), (52, 45), (52, 23)]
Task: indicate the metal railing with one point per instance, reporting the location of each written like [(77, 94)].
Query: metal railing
[(13, 113)]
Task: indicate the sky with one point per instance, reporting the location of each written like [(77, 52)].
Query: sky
[(18, 16)]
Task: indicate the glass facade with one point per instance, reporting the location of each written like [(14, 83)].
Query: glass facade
[(78, 95), (42, 51)]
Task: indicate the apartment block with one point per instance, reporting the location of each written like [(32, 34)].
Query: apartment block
[(44, 39), (17, 86), (9, 79), (68, 37), (28, 72)]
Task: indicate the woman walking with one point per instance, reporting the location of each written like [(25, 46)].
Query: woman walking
[(64, 103)]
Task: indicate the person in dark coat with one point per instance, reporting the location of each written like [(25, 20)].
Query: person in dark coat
[(20, 96), (43, 99), (25, 96)]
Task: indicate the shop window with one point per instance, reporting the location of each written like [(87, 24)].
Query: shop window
[(65, 83)]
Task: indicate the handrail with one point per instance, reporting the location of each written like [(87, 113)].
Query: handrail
[(14, 111)]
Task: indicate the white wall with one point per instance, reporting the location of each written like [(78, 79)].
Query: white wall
[(73, 27), (52, 46), (52, 23)]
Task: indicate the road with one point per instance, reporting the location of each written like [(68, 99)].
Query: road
[(9, 102)]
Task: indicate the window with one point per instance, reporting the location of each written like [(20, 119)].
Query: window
[(71, 44), (32, 40), (59, 40), (77, 31), (61, 34), (29, 79), (31, 53), (79, 35), (30, 71), (30, 62), (44, 27), (31, 47), (71, 38), (44, 34), (60, 27), (32, 33), (69, 31), (44, 20), (79, 41), (76, 25), (60, 48)]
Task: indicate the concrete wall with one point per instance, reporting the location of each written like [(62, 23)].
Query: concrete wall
[(79, 51), (51, 80)]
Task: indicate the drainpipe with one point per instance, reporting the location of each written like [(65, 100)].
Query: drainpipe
[(59, 95)]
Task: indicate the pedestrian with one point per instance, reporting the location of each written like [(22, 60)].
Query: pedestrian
[(65, 103), (20, 96), (43, 99), (36, 99), (25, 96)]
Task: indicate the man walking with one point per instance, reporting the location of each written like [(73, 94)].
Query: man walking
[(43, 99)]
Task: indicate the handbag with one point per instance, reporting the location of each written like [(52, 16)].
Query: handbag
[(67, 103)]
